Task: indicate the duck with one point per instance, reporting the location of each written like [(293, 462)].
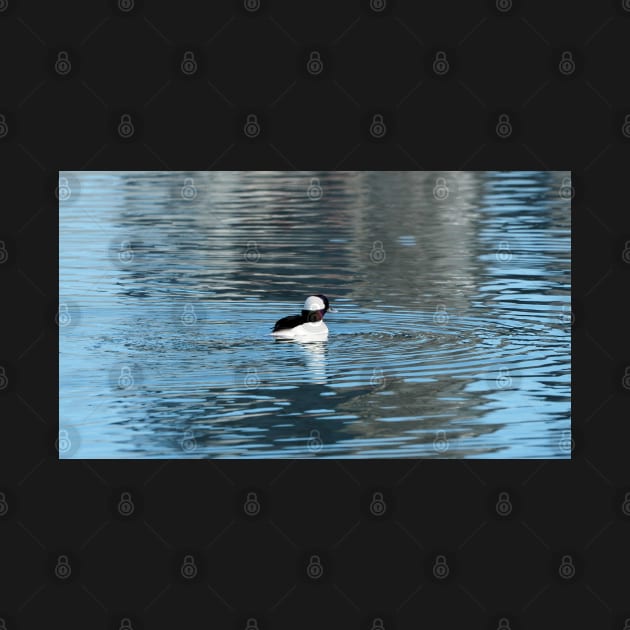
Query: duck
[(309, 325)]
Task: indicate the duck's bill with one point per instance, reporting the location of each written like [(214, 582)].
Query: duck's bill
[(332, 310)]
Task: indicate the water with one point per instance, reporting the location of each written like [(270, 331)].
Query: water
[(452, 337)]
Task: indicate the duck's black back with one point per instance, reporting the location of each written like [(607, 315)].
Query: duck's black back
[(288, 322)]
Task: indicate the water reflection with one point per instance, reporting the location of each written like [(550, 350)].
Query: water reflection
[(452, 338)]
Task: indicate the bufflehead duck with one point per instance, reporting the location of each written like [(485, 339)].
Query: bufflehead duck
[(309, 326)]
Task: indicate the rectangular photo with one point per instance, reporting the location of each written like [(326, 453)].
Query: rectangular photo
[(320, 314)]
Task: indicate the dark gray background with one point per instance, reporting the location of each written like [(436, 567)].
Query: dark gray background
[(64, 112)]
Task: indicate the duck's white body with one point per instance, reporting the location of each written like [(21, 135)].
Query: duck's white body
[(309, 326), (316, 331)]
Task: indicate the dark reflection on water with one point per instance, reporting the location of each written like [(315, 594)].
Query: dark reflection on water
[(452, 340)]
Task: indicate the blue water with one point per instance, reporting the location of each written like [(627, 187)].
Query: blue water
[(452, 337)]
